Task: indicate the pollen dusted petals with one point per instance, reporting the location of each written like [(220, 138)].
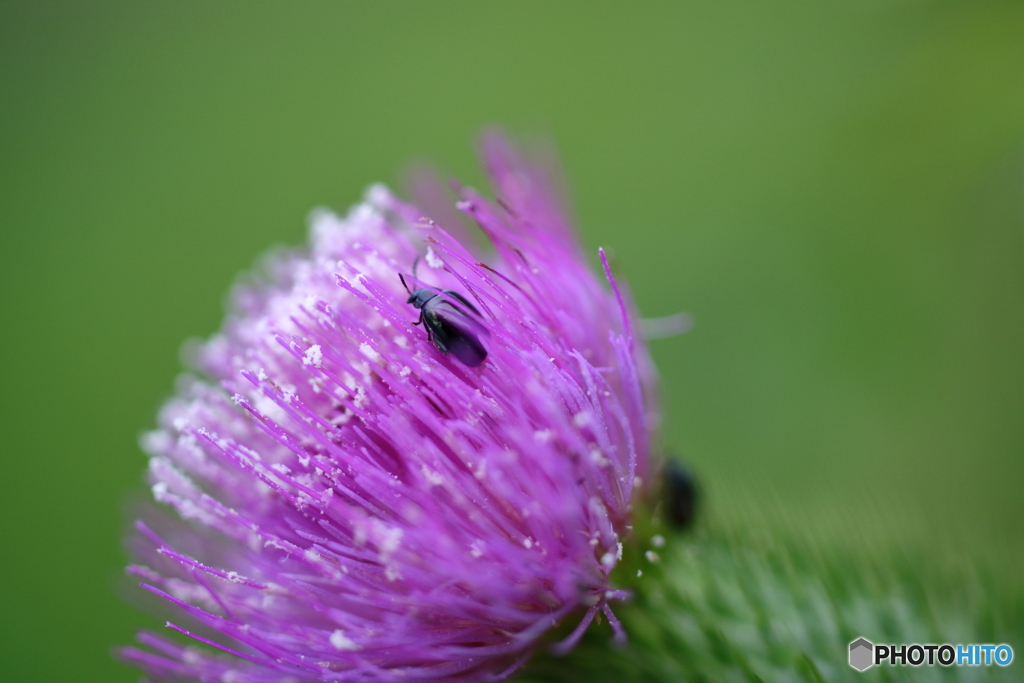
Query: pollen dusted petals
[(347, 503)]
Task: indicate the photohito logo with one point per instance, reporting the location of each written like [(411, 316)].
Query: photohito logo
[(865, 654)]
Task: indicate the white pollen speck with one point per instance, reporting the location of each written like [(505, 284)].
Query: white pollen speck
[(651, 556), (235, 577), (475, 550), (618, 552), (608, 559), (639, 573), (360, 399), (544, 435), (368, 351), (405, 371), (432, 260), (341, 642), (581, 419), (314, 356), (431, 476), (528, 543), (658, 541), (637, 482), (389, 539), (261, 375)]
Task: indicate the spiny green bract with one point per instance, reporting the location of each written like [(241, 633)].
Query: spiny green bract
[(722, 606)]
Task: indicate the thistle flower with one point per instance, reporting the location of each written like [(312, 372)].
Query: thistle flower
[(353, 504)]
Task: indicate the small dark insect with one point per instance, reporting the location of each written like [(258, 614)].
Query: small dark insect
[(680, 493), (452, 323)]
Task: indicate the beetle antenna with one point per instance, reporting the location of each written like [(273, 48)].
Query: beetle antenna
[(402, 278), (415, 265)]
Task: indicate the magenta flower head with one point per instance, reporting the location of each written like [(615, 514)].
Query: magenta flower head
[(351, 496)]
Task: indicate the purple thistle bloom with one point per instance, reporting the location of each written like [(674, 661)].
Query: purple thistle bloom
[(355, 505)]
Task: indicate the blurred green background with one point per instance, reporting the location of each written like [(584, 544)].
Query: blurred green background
[(835, 191)]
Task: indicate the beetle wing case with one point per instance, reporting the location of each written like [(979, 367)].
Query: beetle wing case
[(457, 330)]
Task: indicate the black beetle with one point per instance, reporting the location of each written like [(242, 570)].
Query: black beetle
[(452, 323), (680, 493)]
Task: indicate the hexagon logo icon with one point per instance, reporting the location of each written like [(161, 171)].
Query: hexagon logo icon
[(860, 654)]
